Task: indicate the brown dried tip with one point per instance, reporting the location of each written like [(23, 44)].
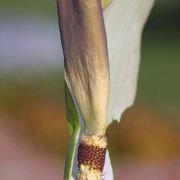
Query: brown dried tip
[(91, 154)]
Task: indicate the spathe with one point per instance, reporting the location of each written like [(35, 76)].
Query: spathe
[(86, 60), (124, 21)]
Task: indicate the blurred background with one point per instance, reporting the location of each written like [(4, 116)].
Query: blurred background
[(33, 129)]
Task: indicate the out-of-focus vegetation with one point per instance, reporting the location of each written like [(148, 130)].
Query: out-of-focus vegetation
[(159, 73), (35, 101)]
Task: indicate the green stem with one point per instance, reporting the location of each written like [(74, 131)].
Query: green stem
[(74, 129)]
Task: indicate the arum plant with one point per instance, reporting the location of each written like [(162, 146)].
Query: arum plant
[(101, 46)]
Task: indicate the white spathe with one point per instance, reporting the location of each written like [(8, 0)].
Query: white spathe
[(124, 22)]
